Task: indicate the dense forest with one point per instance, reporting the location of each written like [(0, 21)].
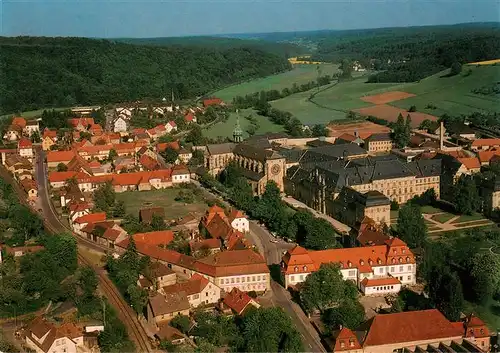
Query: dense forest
[(39, 72), (285, 50), (410, 54)]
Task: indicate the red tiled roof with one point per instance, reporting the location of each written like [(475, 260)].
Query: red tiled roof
[(189, 116), (79, 206), (19, 121), (347, 137), (411, 326), (218, 227), (237, 241), (161, 147), (111, 234), (470, 162), (232, 263), (137, 131), (60, 156), (485, 142), (373, 282), (194, 285), (237, 300), (91, 218), (29, 184), (205, 243), (162, 237), (234, 214), (24, 249), (84, 121), (148, 162), (486, 156), (172, 123), (346, 340), (24, 143), (55, 177), (212, 101), (475, 327), (370, 237)]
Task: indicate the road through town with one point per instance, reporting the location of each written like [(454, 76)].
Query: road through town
[(52, 222)]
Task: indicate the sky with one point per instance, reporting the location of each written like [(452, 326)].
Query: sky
[(170, 18)]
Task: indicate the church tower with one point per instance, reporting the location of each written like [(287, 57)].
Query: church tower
[(237, 132)]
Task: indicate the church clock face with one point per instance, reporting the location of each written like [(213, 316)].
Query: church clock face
[(275, 169)]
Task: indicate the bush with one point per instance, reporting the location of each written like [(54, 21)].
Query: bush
[(412, 109), (394, 205)]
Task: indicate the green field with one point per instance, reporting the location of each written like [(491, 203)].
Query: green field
[(226, 128), (135, 200), (450, 95), (300, 74)]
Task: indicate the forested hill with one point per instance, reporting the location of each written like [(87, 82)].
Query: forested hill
[(285, 50), (39, 72)]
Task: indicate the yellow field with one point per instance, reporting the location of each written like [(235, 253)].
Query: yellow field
[(487, 62), (294, 61)]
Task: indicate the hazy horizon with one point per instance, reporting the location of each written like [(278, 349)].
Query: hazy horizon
[(174, 18)]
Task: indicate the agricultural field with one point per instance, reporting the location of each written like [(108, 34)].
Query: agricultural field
[(435, 95), (225, 129), (135, 200), (300, 74)]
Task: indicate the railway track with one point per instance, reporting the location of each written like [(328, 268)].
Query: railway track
[(125, 313)]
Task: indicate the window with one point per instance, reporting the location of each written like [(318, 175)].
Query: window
[(301, 277), (248, 279), (232, 280), (196, 296), (401, 268), (292, 278), (351, 273), (409, 268), (342, 344), (206, 294), (381, 270), (409, 278), (227, 280), (238, 280), (243, 280), (253, 278), (392, 269)]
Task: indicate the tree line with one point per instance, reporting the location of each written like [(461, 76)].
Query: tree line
[(300, 226), (410, 54), (77, 71)]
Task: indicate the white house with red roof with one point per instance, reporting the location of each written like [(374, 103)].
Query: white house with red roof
[(239, 221), (190, 117), (80, 222), (377, 270), (25, 148), (171, 126), (120, 124)]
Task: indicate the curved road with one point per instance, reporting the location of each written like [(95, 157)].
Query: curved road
[(51, 220)]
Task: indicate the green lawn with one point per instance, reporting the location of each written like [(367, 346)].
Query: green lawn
[(430, 210), (468, 218), (300, 74), (135, 200), (443, 217), (452, 95), (489, 312), (226, 128)]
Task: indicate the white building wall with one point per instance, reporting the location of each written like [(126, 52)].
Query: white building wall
[(241, 224), (258, 282)]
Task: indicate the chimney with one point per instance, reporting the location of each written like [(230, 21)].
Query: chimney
[(441, 136)]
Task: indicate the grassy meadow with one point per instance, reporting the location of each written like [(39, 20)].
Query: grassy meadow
[(300, 74)]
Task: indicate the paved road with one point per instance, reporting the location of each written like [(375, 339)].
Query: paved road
[(273, 252), (52, 221)]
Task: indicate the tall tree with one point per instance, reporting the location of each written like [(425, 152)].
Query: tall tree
[(170, 155), (465, 195), (195, 136), (349, 314), (401, 132), (445, 291), (326, 288), (411, 226), (486, 275)]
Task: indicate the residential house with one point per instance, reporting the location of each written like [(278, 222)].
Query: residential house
[(96, 130), (170, 334), (31, 128), (30, 187), (49, 139), (244, 269), (190, 118), (185, 156), (171, 126), (161, 147), (81, 124), (376, 270), (198, 289), (25, 148), (180, 174), (56, 157), (15, 130), (44, 337), (148, 163), (120, 124), (80, 222), (78, 209), (163, 308), (239, 221), (238, 302)]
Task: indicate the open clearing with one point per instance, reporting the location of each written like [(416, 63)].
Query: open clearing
[(435, 95), (387, 97), (225, 129), (487, 62), (390, 113), (300, 74), (135, 200)]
